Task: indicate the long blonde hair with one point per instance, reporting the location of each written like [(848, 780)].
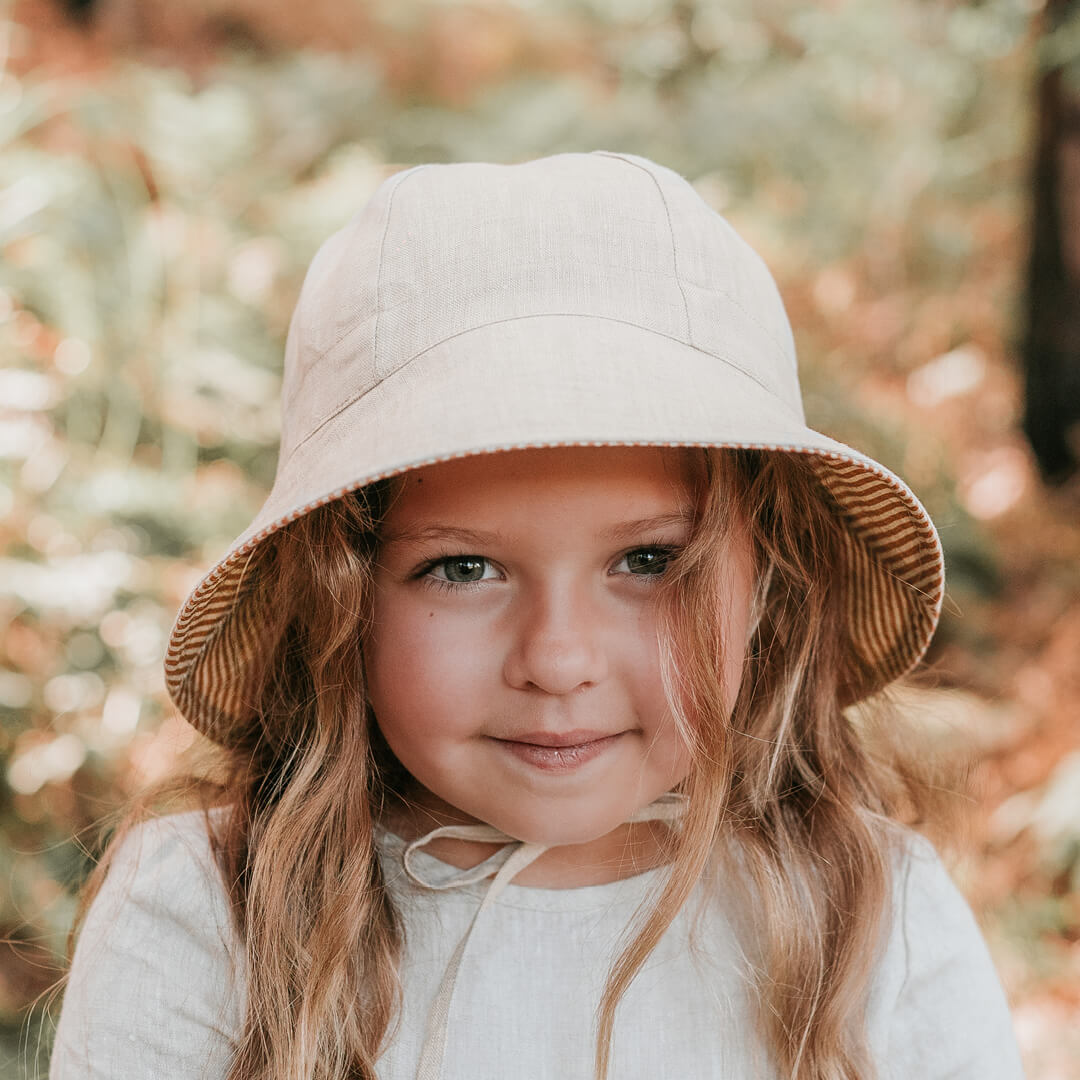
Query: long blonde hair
[(810, 799)]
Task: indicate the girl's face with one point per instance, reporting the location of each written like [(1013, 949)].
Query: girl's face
[(513, 662)]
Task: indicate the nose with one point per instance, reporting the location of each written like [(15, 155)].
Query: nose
[(558, 643)]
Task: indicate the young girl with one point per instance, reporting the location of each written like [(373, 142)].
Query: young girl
[(534, 686)]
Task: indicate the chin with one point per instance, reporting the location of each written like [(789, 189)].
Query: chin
[(551, 832)]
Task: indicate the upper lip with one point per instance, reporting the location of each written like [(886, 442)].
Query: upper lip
[(559, 738)]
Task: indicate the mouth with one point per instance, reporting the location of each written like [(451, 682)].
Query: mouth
[(560, 751)]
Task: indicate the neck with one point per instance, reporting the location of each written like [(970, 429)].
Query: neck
[(629, 849)]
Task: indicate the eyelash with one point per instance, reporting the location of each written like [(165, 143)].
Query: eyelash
[(444, 584), (424, 573)]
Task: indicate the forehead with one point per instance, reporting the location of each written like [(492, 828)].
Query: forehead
[(611, 478)]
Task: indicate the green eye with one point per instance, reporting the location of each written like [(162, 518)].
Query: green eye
[(463, 568), (648, 561)]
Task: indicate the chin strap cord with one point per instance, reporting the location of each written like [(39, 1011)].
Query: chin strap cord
[(431, 1054), (504, 865)]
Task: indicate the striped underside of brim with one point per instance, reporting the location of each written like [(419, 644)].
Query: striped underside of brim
[(226, 633), (212, 666), (896, 578)]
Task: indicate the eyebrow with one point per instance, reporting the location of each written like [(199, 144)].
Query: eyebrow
[(623, 531), (629, 530), (435, 532)]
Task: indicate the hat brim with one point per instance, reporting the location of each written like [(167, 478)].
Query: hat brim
[(553, 380)]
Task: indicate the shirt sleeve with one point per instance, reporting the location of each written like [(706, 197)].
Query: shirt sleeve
[(152, 990), (951, 1020)]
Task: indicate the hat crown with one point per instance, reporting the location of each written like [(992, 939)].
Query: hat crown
[(440, 250)]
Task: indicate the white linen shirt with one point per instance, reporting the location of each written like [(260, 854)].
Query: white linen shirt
[(155, 989)]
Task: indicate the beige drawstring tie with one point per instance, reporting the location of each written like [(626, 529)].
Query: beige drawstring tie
[(504, 865)]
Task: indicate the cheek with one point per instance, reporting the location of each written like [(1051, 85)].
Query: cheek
[(417, 662), (668, 754), (631, 646)]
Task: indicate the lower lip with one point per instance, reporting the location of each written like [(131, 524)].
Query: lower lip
[(559, 758)]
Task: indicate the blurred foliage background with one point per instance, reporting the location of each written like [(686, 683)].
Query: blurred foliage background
[(167, 171)]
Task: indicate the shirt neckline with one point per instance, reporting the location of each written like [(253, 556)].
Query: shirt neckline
[(625, 891)]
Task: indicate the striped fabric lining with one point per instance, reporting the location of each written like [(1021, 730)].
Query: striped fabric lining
[(896, 574), (225, 632), (212, 668)]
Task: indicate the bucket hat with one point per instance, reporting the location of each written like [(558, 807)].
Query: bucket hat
[(578, 299)]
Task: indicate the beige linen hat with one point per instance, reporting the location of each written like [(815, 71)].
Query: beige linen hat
[(579, 299)]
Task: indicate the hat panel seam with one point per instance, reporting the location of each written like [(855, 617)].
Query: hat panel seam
[(395, 182), (687, 278), (348, 403), (314, 355), (783, 354), (379, 278), (750, 317), (755, 259), (671, 232), (681, 280)]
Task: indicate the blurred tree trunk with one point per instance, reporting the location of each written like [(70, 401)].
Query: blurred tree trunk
[(1051, 349), (208, 24)]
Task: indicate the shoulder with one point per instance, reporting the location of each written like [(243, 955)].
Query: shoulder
[(169, 856), (164, 878), (153, 979), (931, 917), (942, 1008)]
